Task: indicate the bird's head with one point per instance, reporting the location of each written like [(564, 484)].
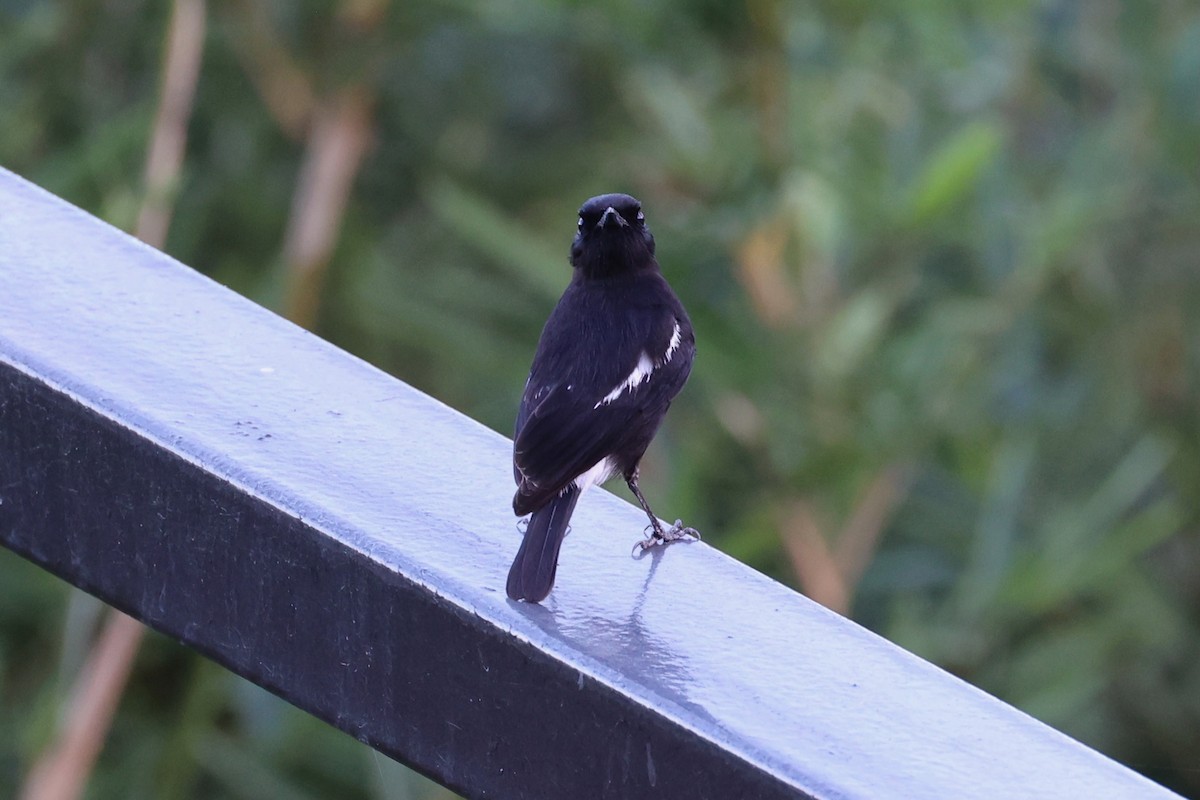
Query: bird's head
[(612, 238)]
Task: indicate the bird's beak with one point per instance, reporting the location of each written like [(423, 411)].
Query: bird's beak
[(611, 217)]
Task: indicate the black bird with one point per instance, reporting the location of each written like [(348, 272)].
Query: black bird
[(616, 350)]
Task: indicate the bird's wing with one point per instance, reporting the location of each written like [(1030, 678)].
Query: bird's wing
[(593, 396)]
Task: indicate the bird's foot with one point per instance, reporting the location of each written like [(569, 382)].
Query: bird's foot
[(658, 537)]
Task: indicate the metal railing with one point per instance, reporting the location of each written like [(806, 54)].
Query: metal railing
[(342, 540)]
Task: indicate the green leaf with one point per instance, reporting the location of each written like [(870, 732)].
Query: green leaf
[(521, 252), (953, 170)]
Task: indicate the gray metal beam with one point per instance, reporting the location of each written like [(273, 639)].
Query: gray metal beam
[(342, 540)]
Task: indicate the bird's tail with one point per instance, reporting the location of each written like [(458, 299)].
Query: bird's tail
[(531, 576)]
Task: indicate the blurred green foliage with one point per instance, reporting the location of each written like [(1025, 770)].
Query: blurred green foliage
[(950, 241)]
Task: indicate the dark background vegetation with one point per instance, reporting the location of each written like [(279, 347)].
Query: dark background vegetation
[(941, 256)]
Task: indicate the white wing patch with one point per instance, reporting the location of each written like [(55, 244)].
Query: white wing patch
[(674, 344), (641, 373)]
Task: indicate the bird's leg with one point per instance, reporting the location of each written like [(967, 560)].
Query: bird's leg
[(632, 480), (657, 536)]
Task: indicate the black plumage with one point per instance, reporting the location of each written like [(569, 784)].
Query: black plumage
[(614, 353)]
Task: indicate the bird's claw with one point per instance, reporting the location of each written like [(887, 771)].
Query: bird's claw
[(658, 537)]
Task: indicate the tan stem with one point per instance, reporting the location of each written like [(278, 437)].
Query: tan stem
[(859, 539), (818, 572), (164, 158), (62, 770), (830, 575), (337, 143), (285, 90)]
